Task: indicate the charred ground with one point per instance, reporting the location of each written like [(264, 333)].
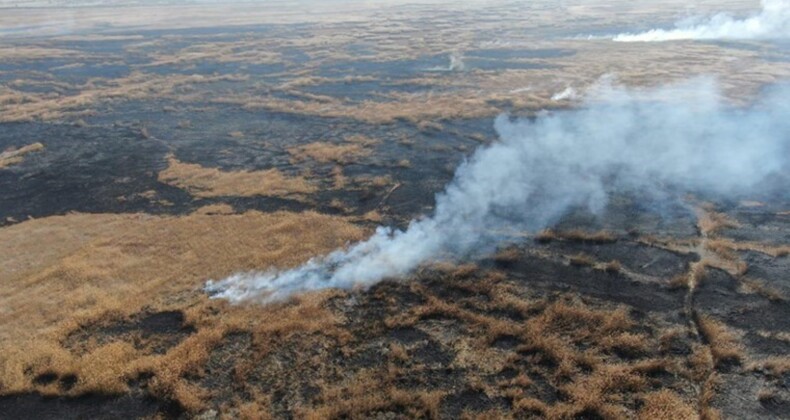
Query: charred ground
[(159, 151)]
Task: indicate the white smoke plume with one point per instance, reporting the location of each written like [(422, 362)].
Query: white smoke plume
[(568, 93), (456, 64), (684, 136), (772, 22)]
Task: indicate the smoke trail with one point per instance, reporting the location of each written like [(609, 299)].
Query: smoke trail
[(683, 135), (456, 65), (568, 93), (772, 22)]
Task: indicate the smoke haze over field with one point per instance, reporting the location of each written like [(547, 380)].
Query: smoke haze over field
[(772, 22), (682, 136)]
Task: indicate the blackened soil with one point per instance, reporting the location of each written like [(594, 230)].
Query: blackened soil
[(154, 333), (552, 275), (718, 295), (635, 257), (34, 406), (112, 166), (469, 400)]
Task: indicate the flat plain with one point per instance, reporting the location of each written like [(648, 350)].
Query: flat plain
[(147, 149)]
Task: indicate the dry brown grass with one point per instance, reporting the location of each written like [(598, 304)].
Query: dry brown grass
[(342, 154), (339, 180), (64, 273), (725, 346), (706, 409), (626, 343), (692, 277), (606, 390), (776, 366), (12, 157), (613, 267), (761, 288), (404, 163), (679, 281), (727, 247), (411, 107), (472, 93), (366, 395), (666, 405), (480, 94), (598, 392), (302, 81), (775, 335), (140, 86), (27, 53), (582, 345), (711, 222), (767, 396), (339, 205), (372, 216), (362, 140), (508, 255), (211, 182), (243, 51), (546, 236), (582, 260)]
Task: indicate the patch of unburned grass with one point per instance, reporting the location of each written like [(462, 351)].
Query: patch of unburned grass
[(507, 256), (341, 154), (776, 366), (582, 260), (761, 288), (613, 267), (666, 405), (63, 273), (12, 157), (211, 182), (727, 247), (724, 343), (135, 86), (710, 222)]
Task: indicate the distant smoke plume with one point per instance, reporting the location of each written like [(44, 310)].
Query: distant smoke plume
[(457, 62), (456, 65), (772, 22), (568, 93), (682, 136)]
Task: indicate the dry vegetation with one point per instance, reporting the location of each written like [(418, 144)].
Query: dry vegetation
[(79, 291), (29, 53), (12, 157), (590, 355), (99, 269), (724, 344), (666, 405), (246, 51), (471, 94), (711, 222), (776, 366), (211, 182), (75, 304), (138, 85), (720, 346), (342, 154)]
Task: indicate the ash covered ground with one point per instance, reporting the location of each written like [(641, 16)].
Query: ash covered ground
[(141, 157)]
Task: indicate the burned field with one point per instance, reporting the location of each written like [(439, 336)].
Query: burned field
[(574, 323), (138, 162)]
